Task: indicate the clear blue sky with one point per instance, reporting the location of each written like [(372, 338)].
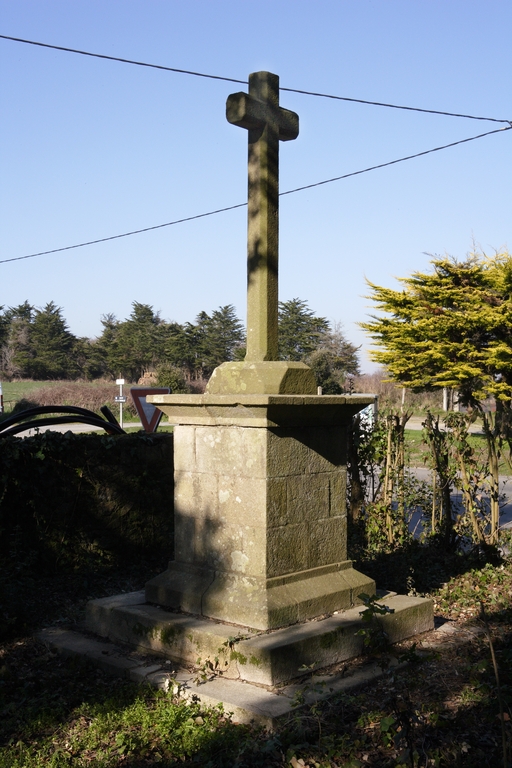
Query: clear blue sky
[(92, 148)]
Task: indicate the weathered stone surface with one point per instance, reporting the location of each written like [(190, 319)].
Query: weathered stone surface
[(147, 627), (252, 601), (261, 410), (267, 123), (246, 702), (263, 378), (267, 658), (253, 503)]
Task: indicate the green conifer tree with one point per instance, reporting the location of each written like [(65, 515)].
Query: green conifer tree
[(49, 353), (300, 332), (449, 328)]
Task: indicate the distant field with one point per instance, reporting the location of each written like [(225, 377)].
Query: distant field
[(16, 390)]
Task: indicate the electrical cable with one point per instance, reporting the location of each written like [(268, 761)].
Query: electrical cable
[(394, 106), (393, 162), (126, 234), (242, 205), (244, 82), (124, 61)]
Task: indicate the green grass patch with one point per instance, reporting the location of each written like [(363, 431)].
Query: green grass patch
[(59, 712), (418, 452), (19, 390)]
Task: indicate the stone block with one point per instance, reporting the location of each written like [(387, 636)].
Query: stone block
[(285, 455), (262, 377), (327, 541), (181, 587), (338, 493), (306, 450), (97, 612), (308, 498), (231, 548), (241, 597), (254, 442), (184, 448), (276, 509), (195, 495), (241, 499), (103, 655), (254, 546), (287, 549), (193, 538), (410, 617), (227, 450)]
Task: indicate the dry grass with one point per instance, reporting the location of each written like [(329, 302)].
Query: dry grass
[(90, 395), (390, 394)]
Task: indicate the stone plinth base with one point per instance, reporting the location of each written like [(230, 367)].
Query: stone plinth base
[(267, 658), (259, 506), (259, 603), (246, 703)]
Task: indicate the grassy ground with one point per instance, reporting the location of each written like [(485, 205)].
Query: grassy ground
[(417, 450), (18, 390), (441, 710)]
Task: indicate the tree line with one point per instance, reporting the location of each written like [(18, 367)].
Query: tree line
[(36, 343)]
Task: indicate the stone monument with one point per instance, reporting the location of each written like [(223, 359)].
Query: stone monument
[(260, 459), (260, 478)]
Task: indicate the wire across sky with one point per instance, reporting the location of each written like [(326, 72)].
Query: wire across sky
[(506, 127), (244, 82)]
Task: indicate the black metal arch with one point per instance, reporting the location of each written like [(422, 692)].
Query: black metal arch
[(13, 424)]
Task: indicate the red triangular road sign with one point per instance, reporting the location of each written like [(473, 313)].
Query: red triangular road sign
[(149, 414)]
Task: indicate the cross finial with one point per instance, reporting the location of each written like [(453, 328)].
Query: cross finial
[(267, 123)]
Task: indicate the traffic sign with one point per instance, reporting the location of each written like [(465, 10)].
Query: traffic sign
[(119, 399), (149, 414)]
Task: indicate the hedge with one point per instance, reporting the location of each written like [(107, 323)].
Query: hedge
[(71, 502)]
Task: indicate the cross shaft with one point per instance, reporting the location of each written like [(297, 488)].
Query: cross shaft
[(267, 123)]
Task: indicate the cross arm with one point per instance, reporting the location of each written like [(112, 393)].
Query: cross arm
[(244, 110)]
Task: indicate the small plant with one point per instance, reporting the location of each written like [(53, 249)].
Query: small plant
[(210, 668), (375, 640)]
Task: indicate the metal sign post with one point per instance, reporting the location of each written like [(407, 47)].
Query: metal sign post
[(1, 399), (120, 399)]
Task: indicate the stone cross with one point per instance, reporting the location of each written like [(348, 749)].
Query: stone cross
[(267, 123)]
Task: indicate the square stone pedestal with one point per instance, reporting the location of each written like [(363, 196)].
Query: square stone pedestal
[(260, 517)]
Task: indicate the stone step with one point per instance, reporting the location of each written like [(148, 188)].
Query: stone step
[(264, 658), (246, 703)]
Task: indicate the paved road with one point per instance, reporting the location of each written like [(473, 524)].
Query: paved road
[(416, 422), (505, 488)]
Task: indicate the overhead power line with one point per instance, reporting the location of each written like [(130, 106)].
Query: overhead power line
[(244, 82), (124, 61), (395, 106), (127, 234), (400, 160), (242, 205)]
